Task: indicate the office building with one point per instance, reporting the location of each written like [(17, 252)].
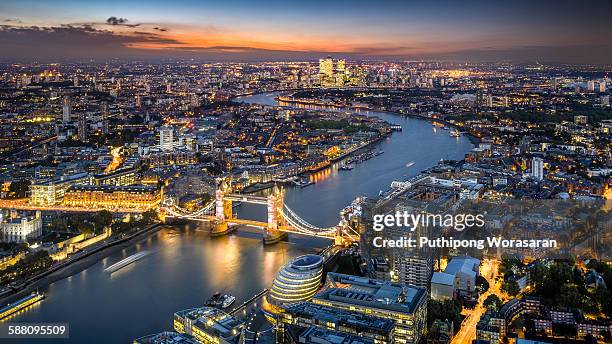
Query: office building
[(537, 168), (299, 318), (460, 274), (581, 119), (166, 138), (326, 72), (82, 127), (405, 304), (52, 192), (104, 114), (167, 337), (591, 85), (112, 197), (208, 325), (66, 110), (297, 281)]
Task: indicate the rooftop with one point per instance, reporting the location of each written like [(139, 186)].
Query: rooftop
[(372, 293)]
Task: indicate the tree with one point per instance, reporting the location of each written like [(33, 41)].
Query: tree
[(482, 284), (511, 287), (19, 189), (492, 301), (102, 219)]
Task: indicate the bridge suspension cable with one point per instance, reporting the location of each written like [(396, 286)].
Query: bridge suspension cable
[(174, 210), (301, 225)]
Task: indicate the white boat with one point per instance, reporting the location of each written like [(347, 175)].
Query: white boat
[(228, 300), (125, 262), (454, 133), (410, 164)]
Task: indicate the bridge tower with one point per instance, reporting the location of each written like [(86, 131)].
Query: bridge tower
[(223, 209), (276, 201)]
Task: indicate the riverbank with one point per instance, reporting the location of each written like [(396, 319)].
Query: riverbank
[(300, 101), (473, 139), (77, 264)]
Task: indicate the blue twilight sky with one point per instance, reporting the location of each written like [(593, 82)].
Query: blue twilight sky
[(561, 31)]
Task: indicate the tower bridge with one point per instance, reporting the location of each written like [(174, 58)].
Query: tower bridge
[(281, 219)]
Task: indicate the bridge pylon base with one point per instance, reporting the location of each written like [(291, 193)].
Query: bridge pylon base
[(220, 228), (273, 237)]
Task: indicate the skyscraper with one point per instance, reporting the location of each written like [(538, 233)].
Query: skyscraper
[(166, 138), (104, 114), (66, 110), (340, 75), (326, 72), (591, 85), (602, 85), (82, 128), (537, 168)]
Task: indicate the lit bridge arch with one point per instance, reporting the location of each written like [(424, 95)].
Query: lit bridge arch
[(281, 219)]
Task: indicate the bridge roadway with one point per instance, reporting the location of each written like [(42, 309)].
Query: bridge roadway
[(258, 224), (246, 198)]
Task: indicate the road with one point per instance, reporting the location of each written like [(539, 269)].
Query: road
[(489, 269)]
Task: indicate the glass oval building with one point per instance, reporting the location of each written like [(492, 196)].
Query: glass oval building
[(299, 280)]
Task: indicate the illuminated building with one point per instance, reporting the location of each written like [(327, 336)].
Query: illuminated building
[(340, 75), (581, 119), (66, 110), (326, 72), (20, 228), (107, 196), (297, 281), (166, 138), (52, 192), (178, 157), (405, 304), (104, 115), (299, 320), (537, 168), (591, 85), (121, 177), (208, 325), (82, 127), (167, 337)]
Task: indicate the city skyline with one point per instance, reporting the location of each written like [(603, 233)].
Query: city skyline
[(475, 31)]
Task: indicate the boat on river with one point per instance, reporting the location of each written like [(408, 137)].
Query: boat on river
[(125, 262)]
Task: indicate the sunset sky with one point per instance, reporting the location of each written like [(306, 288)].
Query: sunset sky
[(557, 31)]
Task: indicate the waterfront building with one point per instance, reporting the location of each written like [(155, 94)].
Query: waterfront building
[(20, 228), (52, 192), (297, 319), (167, 337), (110, 196), (405, 304), (299, 280), (208, 325)]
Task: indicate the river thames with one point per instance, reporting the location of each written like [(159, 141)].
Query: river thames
[(185, 266)]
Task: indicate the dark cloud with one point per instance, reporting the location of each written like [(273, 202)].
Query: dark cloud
[(162, 29), (13, 20), (119, 21), (72, 42)]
